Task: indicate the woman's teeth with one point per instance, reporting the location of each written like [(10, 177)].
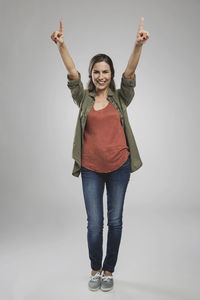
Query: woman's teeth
[(101, 82)]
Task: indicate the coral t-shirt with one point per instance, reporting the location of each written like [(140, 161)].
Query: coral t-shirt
[(104, 143)]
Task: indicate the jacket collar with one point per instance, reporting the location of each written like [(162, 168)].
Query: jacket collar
[(110, 93)]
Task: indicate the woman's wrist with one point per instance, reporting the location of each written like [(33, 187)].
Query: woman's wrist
[(138, 45), (61, 46)]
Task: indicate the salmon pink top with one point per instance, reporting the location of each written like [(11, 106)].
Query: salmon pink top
[(104, 143)]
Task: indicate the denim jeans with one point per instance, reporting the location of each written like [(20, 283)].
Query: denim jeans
[(93, 188)]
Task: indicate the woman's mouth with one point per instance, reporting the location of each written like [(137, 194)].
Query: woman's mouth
[(101, 82)]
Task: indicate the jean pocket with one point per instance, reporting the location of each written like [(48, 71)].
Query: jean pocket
[(127, 162), (83, 169)]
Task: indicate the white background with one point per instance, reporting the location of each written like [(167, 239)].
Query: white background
[(43, 244)]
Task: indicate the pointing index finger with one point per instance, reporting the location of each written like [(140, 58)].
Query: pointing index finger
[(141, 24), (61, 26)]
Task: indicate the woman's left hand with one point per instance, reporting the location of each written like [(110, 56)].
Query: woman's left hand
[(142, 35)]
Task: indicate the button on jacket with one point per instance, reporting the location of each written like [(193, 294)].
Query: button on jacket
[(120, 98)]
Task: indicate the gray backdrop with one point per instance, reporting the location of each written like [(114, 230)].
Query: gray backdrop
[(43, 244)]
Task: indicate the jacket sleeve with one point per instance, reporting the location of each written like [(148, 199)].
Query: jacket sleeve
[(126, 91), (76, 88)]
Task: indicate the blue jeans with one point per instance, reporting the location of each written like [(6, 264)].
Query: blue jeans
[(93, 188)]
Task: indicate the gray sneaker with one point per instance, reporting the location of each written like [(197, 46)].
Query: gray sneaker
[(94, 282), (107, 283)]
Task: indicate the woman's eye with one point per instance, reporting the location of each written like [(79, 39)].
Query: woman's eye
[(103, 72)]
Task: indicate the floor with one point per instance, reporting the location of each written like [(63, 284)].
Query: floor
[(158, 258)]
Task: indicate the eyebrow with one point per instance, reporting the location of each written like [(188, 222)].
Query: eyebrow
[(98, 70)]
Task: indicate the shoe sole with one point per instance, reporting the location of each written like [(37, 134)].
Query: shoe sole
[(106, 289), (94, 289)]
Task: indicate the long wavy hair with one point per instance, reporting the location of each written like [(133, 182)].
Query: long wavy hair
[(95, 59)]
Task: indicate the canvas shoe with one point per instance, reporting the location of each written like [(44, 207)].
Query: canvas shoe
[(94, 282), (107, 282)]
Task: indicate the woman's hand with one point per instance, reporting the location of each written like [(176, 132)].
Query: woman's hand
[(142, 35), (58, 36)]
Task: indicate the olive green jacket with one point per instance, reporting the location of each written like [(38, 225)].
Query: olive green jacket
[(120, 99)]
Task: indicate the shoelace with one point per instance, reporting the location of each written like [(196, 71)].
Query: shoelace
[(106, 277), (95, 277)]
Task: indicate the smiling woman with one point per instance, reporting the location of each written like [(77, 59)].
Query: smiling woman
[(104, 150), (101, 69), (104, 145)]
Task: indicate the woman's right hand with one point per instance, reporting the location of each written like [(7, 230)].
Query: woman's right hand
[(58, 36)]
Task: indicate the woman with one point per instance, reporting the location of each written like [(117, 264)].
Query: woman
[(104, 149)]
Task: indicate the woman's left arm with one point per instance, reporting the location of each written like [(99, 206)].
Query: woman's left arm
[(142, 37)]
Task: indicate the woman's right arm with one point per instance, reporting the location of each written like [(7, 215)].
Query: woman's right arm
[(58, 38), (68, 62), (74, 77)]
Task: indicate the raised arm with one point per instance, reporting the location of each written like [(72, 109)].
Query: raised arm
[(142, 36), (58, 38), (74, 77)]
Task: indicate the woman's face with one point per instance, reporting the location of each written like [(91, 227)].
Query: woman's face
[(101, 75)]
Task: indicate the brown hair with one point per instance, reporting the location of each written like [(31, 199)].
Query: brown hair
[(98, 58)]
